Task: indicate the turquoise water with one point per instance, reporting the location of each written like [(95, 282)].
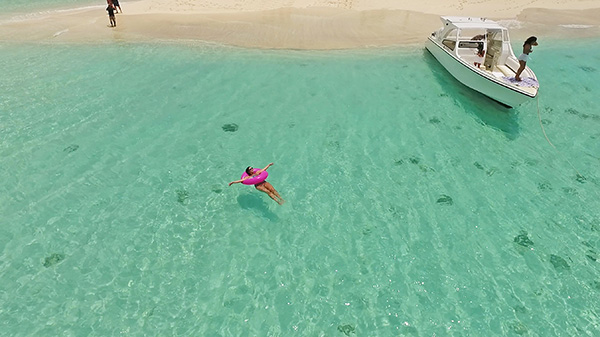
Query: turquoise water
[(33, 6), (415, 206)]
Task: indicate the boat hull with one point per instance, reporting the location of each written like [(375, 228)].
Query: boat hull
[(475, 79)]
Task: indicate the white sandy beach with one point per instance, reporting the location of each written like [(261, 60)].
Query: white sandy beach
[(298, 24)]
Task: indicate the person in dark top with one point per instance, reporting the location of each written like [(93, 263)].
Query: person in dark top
[(111, 15), (479, 55), (116, 5)]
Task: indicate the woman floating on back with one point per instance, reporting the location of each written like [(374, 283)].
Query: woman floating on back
[(257, 177)]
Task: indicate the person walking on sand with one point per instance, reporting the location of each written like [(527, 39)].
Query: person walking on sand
[(116, 5), (261, 185), (524, 57), (111, 15)]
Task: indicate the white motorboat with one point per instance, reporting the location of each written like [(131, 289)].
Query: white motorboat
[(456, 46)]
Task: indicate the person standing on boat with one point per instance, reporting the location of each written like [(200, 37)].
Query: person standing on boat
[(479, 55), (524, 57)]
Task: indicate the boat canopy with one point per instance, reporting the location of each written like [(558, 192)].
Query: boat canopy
[(462, 22)]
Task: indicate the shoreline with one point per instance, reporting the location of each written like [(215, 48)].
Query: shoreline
[(299, 27)]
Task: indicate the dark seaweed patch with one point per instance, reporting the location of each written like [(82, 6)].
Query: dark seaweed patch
[(523, 239), (426, 168), (232, 127), (570, 191), (585, 243), (434, 120), (395, 212), (182, 196), (519, 328), (346, 329), (520, 309), (572, 111), (334, 144), (216, 189), (546, 121), (53, 259), (545, 186), (71, 148), (588, 69), (489, 172), (577, 113), (414, 160), (445, 200), (559, 263)]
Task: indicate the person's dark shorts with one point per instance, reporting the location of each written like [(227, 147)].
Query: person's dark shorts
[(115, 2)]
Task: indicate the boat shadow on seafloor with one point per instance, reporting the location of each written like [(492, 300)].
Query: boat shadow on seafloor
[(488, 111), (255, 203)]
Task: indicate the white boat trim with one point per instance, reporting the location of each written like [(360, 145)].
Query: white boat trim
[(496, 73), (482, 73)]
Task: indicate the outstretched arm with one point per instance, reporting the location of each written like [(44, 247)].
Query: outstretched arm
[(235, 182), (266, 167), (239, 181), (259, 171)]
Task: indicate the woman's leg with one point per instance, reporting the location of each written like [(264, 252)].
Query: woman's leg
[(272, 189), (263, 188), (521, 68)]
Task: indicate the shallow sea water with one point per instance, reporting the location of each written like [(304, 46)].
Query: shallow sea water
[(415, 206), (33, 7)]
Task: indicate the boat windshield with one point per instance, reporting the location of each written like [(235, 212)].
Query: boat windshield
[(450, 39), (472, 34)]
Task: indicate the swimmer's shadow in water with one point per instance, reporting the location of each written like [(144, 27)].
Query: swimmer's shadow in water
[(255, 203)]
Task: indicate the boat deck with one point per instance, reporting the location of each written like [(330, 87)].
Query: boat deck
[(504, 72)]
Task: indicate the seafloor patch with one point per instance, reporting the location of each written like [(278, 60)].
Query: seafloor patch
[(53, 259)]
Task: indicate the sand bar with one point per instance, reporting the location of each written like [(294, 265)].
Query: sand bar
[(297, 24)]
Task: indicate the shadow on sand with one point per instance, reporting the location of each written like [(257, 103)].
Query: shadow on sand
[(486, 110), (256, 204)]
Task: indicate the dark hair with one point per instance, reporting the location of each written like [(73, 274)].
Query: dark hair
[(530, 40), (249, 170)]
